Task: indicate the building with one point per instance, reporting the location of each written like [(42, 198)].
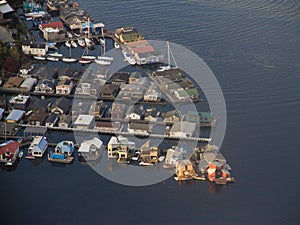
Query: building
[(57, 5), (182, 129), (51, 120), (36, 49), (1, 113), (152, 115), (108, 126), (120, 148), (139, 128), (13, 82), (117, 111), (74, 17), (84, 122), (19, 102), (171, 116), (53, 31), (152, 94), (28, 84), (15, 116), (131, 92), (38, 146), (173, 156), (149, 154), (128, 34), (136, 113), (9, 152), (97, 109), (204, 118), (5, 10), (8, 129), (186, 95), (61, 106), (38, 118), (90, 149), (119, 78), (64, 86), (109, 91), (45, 86), (86, 88), (185, 170), (65, 121)]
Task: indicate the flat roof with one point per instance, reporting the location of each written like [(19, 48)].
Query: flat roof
[(84, 120)]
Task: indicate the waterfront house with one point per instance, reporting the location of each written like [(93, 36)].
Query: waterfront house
[(152, 115), (135, 77), (65, 121), (62, 153), (28, 84), (65, 86), (148, 57), (128, 34), (136, 113), (19, 102), (13, 82), (15, 116), (36, 49), (38, 147), (57, 5), (26, 68), (90, 149), (109, 91), (187, 95), (53, 31), (120, 148), (39, 104), (87, 88), (171, 116), (182, 129), (119, 78), (74, 17), (5, 10), (61, 106), (117, 111), (31, 6), (108, 126), (132, 92), (1, 113), (84, 122), (148, 154), (184, 170), (174, 74), (9, 152), (97, 109), (173, 155), (9, 129), (51, 120), (38, 118), (45, 86), (3, 102), (204, 118), (152, 94), (139, 128)]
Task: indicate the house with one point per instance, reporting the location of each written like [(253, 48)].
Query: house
[(204, 118), (109, 91), (86, 88), (37, 49), (131, 92), (57, 5), (13, 82), (39, 104), (140, 128), (148, 154), (38, 118), (9, 152), (19, 102), (135, 77), (5, 10), (45, 86), (148, 57), (152, 115), (171, 116), (185, 170), (38, 146), (3, 102), (187, 95), (31, 6), (28, 84), (64, 86), (119, 78), (173, 155), (48, 73), (74, 17), (120, 148), (26, 68), (182, 129), (97, 109), (90, 149), (65, 121), (9, 129), (108, 126), (136, 113), (53, 31), (52, 120), (152, 94), (170, 75), (15, 116), (128, 34), (61, 106), (117, 111), (84, 122)]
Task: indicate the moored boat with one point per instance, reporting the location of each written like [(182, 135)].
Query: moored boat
[(68, 44), (69, 60), (53, 59), (73, 43), (39, 57), (81, 43), (56, 54), (104, 60)]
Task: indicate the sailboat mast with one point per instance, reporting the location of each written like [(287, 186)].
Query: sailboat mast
[(169, 58)]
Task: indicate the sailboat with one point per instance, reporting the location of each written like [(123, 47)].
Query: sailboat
[(89, 43), (168, 67), (86, 58), (69, 59)]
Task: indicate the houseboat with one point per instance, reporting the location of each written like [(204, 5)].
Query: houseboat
[(63, 152), (90, 150), (9, 152), (37, 147)]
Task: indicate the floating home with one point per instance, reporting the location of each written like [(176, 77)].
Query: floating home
[(63, 152), (120, 148), (90, 149), (37, 147), (9, 152)]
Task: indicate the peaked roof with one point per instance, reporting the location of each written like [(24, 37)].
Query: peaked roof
[(56, 24)]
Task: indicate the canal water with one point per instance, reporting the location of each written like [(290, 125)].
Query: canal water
[(253, 49)]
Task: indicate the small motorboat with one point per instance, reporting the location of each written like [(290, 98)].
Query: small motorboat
[(68, 44), (73, 43), (69, 60), (56, 54), (81, 43), (53, 59), (20, 155), (39, 57)]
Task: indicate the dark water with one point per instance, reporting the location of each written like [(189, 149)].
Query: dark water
[(253, 49)]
